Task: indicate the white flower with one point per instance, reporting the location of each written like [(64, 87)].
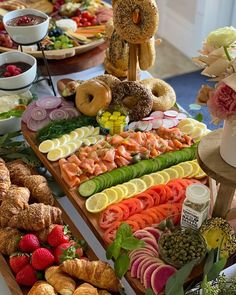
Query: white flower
[(222, 37)]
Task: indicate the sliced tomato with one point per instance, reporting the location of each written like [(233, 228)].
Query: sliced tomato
[(146, 200), (155, 196), (169, 192), (152, 214), (147, 219), (111, 215), (160, 189), (138, 218), (183, 182), (125, 209), (158, 216), (134, 205), (177, 192), (110, 234), (133, 224)]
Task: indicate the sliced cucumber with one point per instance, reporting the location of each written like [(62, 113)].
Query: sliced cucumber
[(88, 188)]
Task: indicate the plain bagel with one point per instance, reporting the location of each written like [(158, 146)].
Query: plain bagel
[(91, 96), (108, 79), (163, 95), (132, 28), (135, 97)]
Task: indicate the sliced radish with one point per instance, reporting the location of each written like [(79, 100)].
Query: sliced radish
[(133, 125), (144, 126), (38, 114), (154, 231), (181, 116), (140, 234), (171, 114), (160, 276), (157, 114), (34, 125), (58, 114), (134, 266), (147, 264), (49, 102), (151, 241), (135, 257), (140, 266), (148, 119), (157, 123), (72, 112), (141, 251), (147, 275), (154, 251), (169, 123)]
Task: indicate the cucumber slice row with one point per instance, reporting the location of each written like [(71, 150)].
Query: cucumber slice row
[(123, 174)]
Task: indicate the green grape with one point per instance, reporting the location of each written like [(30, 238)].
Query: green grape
[(64, 39), (57, 44)]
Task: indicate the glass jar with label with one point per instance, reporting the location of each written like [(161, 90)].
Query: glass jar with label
[(196, 205)]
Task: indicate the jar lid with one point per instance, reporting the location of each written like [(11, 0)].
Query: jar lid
[(198, 193)]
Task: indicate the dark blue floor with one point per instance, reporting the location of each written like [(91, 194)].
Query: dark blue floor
[(186, 87)]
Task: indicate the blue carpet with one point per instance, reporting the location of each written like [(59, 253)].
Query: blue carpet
[(186, 87)]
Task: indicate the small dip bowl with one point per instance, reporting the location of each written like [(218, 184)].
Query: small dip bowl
[(27, 34)]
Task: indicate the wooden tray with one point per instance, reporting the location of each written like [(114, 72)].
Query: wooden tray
[(7, 273)]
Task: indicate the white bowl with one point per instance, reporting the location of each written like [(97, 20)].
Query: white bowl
[(23, 81), (26, 35)]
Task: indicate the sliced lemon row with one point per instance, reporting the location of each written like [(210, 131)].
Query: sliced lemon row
[(193, 128)]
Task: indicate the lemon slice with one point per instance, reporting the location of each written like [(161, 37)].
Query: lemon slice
[(131, 189), (140, 184), (187, 129), (197, 132), (46, 146), (157, 178), (179, 170), (196, 169), (120, 193), (184, 122), (73, 135), (172, 173), (92, 139), (80, 132), (56, 142), (78, 143), (96, 203), (201, 174), (123, 188), (187, 167), (112, 195), (55, 154), (201, 125), (166, 176), (86, 131), (66, 150), (72, 146), (64, 139), (148, 179), (96, 131)]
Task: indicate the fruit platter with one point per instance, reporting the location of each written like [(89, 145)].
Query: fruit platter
[(74, 28), (42, 240)]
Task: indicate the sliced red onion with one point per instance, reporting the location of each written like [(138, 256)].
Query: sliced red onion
[(26, 115), (133, 125), (144, 126), (171, 114), (66, 103), (58, 114), (157, 114), (181, 116), (72, 112), (34, 125), (49, 102), (38, 114), (157, 123), (169, 123), (148, 119)]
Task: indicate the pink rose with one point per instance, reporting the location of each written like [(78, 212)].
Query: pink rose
[(222, 102)]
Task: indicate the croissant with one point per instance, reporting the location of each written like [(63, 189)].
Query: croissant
[(18, 171), (5, 181), (103, 292), (9, 238), (36, 217), (42, 288), (39, 189), (86, 289), (97, 273), (42, 235), (61, 281), (16, 200)]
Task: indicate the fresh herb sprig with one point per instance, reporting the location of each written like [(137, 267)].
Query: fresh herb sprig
[(119, 249)]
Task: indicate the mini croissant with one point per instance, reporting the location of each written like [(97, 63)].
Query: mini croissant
[(36, 217), (5, 181), (42, 288), (86, 289), (61, 281), (97, 273), (18, 171)]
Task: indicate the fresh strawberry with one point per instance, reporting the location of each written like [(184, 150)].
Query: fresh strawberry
[(18, 261), (42, 258), (27, 276), (67, 251), (29, 243), (58, 235)]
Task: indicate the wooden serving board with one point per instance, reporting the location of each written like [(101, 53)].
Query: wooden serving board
[(7, 273)]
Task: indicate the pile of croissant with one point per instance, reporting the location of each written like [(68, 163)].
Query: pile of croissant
[(26, 203), (63, 279)]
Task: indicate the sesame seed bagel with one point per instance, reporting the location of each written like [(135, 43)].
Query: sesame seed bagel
[(142, 29), (147, 54), (108, 79), (111, 69), (135, 97), (163, 95)]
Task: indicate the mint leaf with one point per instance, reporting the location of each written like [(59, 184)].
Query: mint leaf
[(199, 117), (209, 262), (216, 268), (124, 231), (176, 281), (121, 265), (113, 250), (131, 243), (149, 292)]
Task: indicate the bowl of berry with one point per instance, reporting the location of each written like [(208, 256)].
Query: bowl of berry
[(26, 26), (17, 71)]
